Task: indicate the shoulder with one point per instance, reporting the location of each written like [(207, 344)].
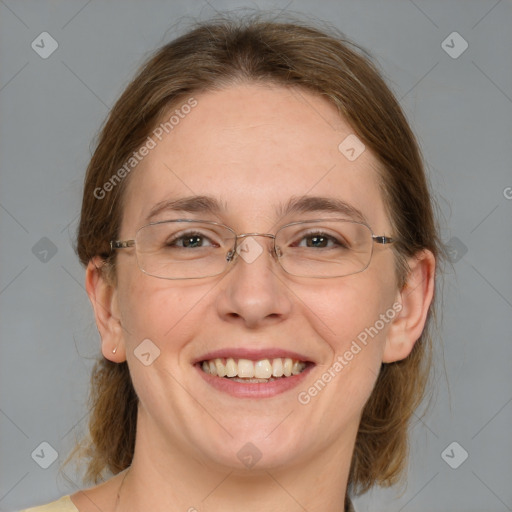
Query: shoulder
[(63, 504)]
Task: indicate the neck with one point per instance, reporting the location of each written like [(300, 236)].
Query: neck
[(180, 482)]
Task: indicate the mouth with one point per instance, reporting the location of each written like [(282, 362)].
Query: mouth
[(253, 374), (248, 371)]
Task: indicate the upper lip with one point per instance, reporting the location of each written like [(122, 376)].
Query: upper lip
[(252, 354)]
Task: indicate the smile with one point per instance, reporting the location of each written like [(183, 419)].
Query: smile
[(253, 373), (245, 370)]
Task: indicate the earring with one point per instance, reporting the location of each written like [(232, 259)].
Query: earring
[(114, 351)]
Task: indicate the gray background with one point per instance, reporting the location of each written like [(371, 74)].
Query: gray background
[(461, 109)]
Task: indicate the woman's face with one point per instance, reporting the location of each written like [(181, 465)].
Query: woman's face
[(252, 148)]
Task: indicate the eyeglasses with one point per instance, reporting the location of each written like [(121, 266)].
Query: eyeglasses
[(195, 249)]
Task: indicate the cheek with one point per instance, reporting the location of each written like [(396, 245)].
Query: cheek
[(156, 309), (354, 317)]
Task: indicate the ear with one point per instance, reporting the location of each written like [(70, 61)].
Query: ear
[(104, 300), (415, 299)]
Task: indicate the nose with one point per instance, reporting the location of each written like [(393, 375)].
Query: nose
[(254, 292)]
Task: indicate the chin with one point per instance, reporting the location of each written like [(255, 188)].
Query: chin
[(256, 446)]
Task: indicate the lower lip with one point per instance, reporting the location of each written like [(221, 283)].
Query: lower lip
[(254, 389)]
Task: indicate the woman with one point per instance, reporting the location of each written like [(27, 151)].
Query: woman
[(260, 254)]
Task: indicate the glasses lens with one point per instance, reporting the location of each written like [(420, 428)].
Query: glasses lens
[(324, 248), (183, 249)]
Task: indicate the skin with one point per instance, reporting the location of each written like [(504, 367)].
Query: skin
[(253, 147)]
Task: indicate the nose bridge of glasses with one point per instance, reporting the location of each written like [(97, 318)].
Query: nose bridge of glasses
[(250, 235), (243, 236)]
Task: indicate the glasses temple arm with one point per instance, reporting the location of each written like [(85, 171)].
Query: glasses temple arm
[(121, 244), (383, 239)]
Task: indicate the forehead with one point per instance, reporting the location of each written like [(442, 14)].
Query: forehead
[(253, 148)]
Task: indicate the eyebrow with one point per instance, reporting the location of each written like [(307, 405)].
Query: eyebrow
[(295, 205)]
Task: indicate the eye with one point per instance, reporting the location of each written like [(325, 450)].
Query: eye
[(190, 239), (321, 240)]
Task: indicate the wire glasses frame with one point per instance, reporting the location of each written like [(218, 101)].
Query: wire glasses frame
[(365, 233)]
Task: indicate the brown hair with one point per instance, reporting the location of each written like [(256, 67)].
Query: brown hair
[(214, 55)]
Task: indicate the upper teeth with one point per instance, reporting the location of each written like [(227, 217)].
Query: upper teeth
[(245, 368)]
